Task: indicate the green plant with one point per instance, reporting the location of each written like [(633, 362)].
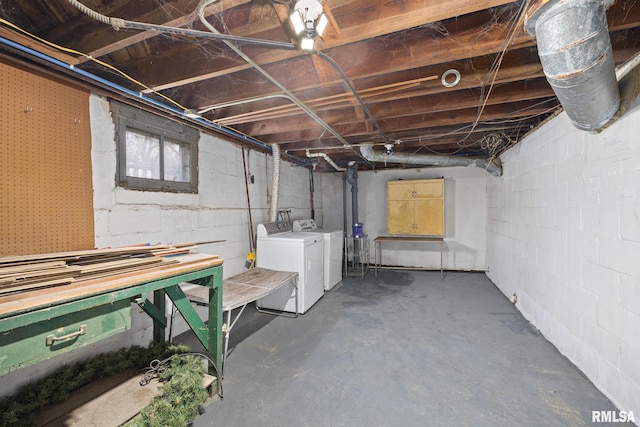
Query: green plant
[(19, 409), (179, 399)]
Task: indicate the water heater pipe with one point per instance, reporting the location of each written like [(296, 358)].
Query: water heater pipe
[(352, 178)]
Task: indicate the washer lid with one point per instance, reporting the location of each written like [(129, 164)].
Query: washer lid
[(295, 236)]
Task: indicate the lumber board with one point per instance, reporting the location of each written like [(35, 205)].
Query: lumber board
[(37, 272), (115, 265), (36, 285), (128, 269), (93, 286), (29, 267), (80, 254)]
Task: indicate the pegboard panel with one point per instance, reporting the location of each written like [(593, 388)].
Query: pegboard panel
[(46, 194)]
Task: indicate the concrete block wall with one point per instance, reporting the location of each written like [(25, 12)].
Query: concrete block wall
[(563, 236), (465, 215), (217, 212)]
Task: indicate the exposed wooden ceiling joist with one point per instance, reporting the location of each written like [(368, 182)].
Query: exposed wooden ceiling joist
[(393, 53)]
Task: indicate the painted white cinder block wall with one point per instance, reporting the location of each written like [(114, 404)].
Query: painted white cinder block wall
[(564, 236), (217, 212), (465, 215)]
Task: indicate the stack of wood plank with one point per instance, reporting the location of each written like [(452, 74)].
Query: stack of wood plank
[(29, 272)]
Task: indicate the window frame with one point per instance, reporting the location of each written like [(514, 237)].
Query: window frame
[(127, 118)]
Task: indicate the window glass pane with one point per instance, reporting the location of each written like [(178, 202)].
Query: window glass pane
[(155, 154), (176, 161), (143, 155)]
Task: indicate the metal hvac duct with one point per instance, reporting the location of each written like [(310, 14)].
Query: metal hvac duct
[(577, 58), (493, 166)]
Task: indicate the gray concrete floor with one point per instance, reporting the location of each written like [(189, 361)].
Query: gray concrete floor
[(403, 349)]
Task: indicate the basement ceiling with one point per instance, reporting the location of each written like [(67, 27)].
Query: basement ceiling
[(385, 72)]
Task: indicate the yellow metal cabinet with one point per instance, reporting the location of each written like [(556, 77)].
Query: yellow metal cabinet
[(416, 207)]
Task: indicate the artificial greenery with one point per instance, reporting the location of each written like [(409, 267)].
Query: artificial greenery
[(178, 401), (19, 409)]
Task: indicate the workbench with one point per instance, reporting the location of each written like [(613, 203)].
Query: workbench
[(405, 239), (40, 324), (243, 289)]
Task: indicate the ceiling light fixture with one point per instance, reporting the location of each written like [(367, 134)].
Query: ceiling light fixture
[(308, 20)]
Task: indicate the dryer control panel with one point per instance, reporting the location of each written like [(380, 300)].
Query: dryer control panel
[(304, 225), (270, 228)]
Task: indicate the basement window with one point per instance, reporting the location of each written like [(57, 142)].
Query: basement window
[(154, 153)]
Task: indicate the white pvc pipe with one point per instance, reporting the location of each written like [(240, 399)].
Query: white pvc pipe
[(328, 159)]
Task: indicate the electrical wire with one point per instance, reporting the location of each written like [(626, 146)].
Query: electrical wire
[(495, 67), (347, 81), (97, 61), (118, 23), (202, 120), (474, 125), (273, 80)]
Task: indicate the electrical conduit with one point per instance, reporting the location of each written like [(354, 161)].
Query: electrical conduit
[(118, 23), (268, 76)]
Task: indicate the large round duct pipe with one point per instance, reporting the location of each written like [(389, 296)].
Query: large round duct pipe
[(577, 58), (493, 166)]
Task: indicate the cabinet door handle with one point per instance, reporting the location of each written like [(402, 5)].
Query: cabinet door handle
[(52, 338)]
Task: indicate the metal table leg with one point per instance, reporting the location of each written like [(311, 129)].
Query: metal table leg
[(441, 268), (226, 330)]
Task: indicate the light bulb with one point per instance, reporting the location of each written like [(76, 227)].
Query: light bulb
[(296, 21), (306, 43), (322, 24)]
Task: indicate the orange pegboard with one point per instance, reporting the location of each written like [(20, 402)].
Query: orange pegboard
[(46, 192)]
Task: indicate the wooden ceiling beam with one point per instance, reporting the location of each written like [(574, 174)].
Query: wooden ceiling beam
[(413, 15), (421, 123), (146, 35), (418, 52), (403, 85), (35, 45), (391, 17), (410, 138), (403, 104), (458, 100)]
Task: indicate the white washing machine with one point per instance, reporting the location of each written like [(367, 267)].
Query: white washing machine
[(333, 246), (279, 248)]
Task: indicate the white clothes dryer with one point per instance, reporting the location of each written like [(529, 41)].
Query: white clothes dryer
[(333, 247)]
